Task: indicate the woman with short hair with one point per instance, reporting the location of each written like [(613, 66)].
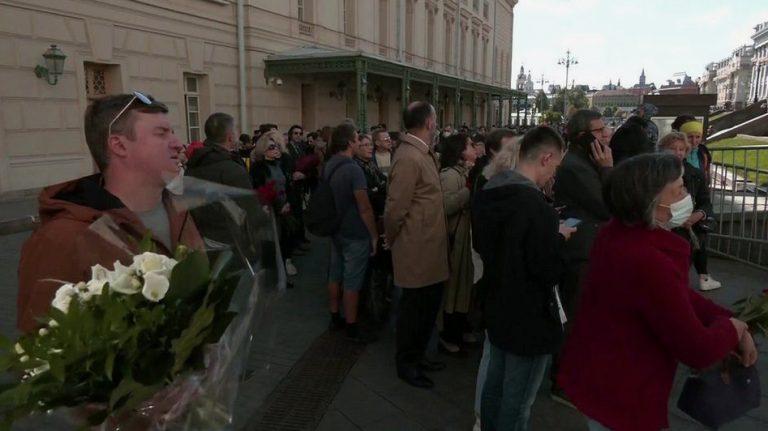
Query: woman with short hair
[(637, 317)]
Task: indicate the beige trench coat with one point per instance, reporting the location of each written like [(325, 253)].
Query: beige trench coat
[(458, 293), (414, 218)]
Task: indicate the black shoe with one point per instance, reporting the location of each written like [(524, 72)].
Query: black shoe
[(427, 365), (362, 337), (288, 285), (416, 378), (337, 323)]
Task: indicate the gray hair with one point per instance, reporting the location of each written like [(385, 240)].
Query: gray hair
[(671, 138)]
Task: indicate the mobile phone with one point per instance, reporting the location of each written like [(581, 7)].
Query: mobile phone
[(571, 222)]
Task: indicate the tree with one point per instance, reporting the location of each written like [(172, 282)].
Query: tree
[(542, 101), (609, 111), (576, 99), (552, 117)]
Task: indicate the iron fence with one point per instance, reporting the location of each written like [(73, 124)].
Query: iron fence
[(739, 187)]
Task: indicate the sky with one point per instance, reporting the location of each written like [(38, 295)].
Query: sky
[(614, 39)]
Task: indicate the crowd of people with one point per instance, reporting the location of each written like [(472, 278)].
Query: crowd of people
[(571, 249)]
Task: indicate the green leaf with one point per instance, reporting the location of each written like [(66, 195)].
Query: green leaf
[(190, 276), (15, 396), (191, 337), (146, 244), (109, 364)]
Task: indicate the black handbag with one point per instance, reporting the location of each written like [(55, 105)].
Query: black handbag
[(720, 395)]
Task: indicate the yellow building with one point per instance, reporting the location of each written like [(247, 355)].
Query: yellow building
[(311, 62)]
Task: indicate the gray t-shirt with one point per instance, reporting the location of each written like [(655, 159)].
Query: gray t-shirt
[(156, 220), (346, 180)]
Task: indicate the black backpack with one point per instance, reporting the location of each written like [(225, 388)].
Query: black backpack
[(321, 217)]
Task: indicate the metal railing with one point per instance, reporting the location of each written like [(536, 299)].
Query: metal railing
[(739, 187)]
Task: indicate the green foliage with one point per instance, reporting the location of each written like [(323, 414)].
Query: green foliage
[(754, 312), (552, 117), (576, 99), (609, 111), (116, 350), (542, 101)]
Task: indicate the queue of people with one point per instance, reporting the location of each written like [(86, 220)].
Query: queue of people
[(544, 246)]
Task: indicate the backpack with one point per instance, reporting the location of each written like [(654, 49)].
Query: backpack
[(321, 217)]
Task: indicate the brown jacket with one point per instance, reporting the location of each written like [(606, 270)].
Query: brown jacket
[(83, 225), (414, 218)]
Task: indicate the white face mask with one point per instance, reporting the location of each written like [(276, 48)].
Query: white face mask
[(681, 211)]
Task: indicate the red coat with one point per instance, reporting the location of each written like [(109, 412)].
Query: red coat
[(636, 320)]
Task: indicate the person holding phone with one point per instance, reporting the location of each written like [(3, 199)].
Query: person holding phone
[(578, 188)]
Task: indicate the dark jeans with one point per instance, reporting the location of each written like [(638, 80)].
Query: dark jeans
[(699, 256), (417, 314), (454, 325), (510, 389), (570, 291)]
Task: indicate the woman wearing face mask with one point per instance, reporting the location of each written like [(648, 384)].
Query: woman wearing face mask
[(637, 318), (694, 228)]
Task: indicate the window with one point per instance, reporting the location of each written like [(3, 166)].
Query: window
[(383, 26), (349, 17), (430, 36), (409, 29), (485, 58), (474, 53), (463, 49), (101, 80), (192, 105), (476, 5), (448, 43), (485, 10)]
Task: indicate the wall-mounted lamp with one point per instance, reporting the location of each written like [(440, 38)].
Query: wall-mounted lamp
[(276, 81), (54, 65), (377, 95), (339, 92)]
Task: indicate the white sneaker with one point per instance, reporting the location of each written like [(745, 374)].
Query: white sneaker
[(708, 283), (290, 269)]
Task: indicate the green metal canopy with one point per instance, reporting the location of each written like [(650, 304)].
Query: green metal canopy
[(315, 60)]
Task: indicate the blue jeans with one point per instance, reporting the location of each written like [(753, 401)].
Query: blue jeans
[(510, 390), (482, 373), (349, 262)]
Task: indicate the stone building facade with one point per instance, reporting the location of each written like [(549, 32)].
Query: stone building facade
[(730, 78), (758, 89), (194, 56)]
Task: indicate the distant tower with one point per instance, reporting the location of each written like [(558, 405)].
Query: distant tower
[(618, 84), (642, 78), (521, 78)]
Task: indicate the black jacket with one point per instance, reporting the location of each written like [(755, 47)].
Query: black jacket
[(377, 185), (523, 261), (579, 188), (260, 175), (217, 165), (696, 183)]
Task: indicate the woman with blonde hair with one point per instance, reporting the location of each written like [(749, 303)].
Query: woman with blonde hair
[(267, 165)]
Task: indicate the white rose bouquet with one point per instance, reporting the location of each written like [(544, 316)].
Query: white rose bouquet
[(115, 341)]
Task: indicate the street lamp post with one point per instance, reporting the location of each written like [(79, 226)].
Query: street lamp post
[(567, 62)]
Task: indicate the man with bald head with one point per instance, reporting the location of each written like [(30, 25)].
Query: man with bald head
[(414, 224)]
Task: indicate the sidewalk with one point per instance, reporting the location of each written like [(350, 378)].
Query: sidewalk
[(372, 398)]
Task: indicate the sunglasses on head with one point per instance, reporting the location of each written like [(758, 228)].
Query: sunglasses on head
[(136, 96), (272, 147)]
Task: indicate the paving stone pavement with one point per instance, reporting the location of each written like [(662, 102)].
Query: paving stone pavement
[(371, 397)]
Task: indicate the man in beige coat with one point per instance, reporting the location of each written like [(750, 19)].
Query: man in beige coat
[(414, 224)]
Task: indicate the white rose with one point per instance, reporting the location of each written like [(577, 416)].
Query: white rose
[(64, 297), (99, 273), (18, 349), (43, 332), (24, 358), (123, 280), (155, 286), (153, 262), (52, 323), (94, 287)]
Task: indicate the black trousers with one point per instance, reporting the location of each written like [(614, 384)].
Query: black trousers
[(416, 319), (699, 256)]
